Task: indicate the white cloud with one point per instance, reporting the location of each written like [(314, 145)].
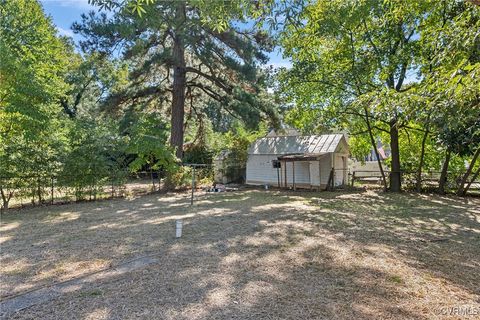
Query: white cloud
[(65, 32)]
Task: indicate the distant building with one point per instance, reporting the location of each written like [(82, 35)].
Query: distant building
[(368, 166), (383, 152)]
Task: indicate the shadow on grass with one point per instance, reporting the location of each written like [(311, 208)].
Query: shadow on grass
[(243, 255)]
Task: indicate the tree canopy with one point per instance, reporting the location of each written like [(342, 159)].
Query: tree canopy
[(154, 83), (179, 59), (377, 67)]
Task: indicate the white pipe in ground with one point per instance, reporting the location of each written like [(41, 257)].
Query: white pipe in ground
[(178, 229)]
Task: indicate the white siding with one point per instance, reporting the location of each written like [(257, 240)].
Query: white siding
[(314, 166), (260, 169), (325, 168), (302, 173), (339, 169)]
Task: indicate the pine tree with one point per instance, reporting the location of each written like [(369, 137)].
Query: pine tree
[(178, 55)]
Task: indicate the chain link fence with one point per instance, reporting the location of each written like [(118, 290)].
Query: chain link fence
[(22, 191), (30, 190)]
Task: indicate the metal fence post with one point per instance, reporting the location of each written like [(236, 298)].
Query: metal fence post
[(52, 190), (193, 185), (113, 189)]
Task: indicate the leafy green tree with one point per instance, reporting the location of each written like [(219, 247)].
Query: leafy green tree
[(91, 79), (354, 57), (451, 68), (377, 65), (237, 142), (148, 143), (33, 62), (94, 157)]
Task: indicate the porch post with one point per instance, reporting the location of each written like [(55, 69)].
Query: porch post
[(293, 175), (278, 175), (319, 174), (333, 169)]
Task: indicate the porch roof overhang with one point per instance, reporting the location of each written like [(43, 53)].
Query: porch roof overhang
[(302, 157)]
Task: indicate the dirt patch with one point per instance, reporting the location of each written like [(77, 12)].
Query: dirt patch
[(250, 255)]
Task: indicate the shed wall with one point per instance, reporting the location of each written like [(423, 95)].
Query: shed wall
[(324, 166), (340, 172), (260, 169), (302, 173)]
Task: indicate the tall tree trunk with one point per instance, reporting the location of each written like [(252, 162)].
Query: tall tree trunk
[(374, 145), (460, 191), (179, 83), (444, 173), (422, 160), (471, 181), (395, 175)]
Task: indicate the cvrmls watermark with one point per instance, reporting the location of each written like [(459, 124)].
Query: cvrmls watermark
[(466, 310)]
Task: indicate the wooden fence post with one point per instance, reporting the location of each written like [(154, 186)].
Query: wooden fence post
[(330, 180), (153, 179), (193, 185)]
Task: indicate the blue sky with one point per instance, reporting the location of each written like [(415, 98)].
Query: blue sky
[(65, 12)]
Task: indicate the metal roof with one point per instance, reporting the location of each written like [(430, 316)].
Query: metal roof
[(301, 157), (281, 145)]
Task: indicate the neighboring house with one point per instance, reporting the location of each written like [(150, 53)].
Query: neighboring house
[(369, 166), (298, 161), (384, 153)]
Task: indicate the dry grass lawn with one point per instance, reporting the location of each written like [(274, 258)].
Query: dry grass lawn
[(251, 255)]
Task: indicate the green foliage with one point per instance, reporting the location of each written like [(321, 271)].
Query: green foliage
[(41, 81), (360, 146), (216, 57), (394, 66), (91, 78), (217, 14), (94, 155), (410, 150), (181, 177), (238, 141), (33, 60), (148, 143), (236, 144), (451, 64), (198, 154), (33, 63)]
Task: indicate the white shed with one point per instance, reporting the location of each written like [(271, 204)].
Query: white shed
[(315, 161)]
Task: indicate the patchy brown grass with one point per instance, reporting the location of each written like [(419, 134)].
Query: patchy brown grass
[(251, 255)]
